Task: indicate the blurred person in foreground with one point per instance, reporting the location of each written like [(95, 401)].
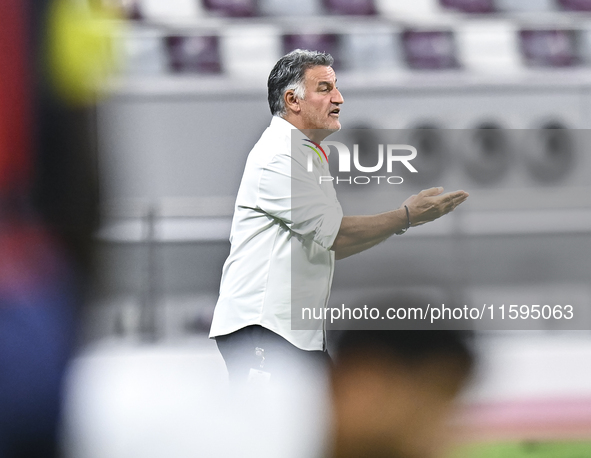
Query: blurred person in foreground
[(48, 211), (393, 392), (278, 242)]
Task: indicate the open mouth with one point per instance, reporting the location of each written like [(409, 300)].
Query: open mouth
[(336, 111)]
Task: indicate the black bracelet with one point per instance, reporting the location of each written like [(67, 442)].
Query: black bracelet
[(407, 217), (402, 231)]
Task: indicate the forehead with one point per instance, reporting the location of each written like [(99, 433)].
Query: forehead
[(318, 74)]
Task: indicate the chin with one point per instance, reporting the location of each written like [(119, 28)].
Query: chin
[(334, 127)]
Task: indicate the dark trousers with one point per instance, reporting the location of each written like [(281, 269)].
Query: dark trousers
[(257, 348)]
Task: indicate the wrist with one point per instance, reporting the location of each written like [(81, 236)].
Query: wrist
[(406, 217)]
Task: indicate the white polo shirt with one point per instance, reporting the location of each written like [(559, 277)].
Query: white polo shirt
[(285, 221)]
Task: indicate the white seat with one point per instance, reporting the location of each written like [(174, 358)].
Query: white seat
[(289, 8), (158, 10), (143, 52), (371, 48), (488, 46), (525, 5), (250, 50)]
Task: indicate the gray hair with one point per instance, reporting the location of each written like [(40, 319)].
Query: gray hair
[(288, 74)]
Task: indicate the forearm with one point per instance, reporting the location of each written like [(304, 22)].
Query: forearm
[(358, 233), (354, 249)]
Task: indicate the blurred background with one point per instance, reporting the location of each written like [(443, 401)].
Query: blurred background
[(124, 129)]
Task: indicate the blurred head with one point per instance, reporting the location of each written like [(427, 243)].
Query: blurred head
[(302, 89), (393, 391)]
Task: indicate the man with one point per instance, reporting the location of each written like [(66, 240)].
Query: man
[(279, 240)]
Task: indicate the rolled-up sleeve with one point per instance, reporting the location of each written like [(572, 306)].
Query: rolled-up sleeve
[(291, 194)]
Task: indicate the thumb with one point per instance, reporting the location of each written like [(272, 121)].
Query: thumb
[(432, 191)]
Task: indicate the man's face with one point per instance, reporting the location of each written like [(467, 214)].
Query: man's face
[(320, 106)]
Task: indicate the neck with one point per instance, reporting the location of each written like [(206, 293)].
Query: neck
[(316, 135)]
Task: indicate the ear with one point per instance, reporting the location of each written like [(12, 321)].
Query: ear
[(292, 103)]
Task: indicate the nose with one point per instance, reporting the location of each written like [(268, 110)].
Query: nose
[(337, 97)]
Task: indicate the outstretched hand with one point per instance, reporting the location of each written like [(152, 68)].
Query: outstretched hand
[(431, 204)]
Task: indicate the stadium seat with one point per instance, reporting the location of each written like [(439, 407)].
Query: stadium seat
[(488, 150), (326, 42), (350, 7), (575, 5), (549, 48), (158, 10), (144, 53), (194, 54), (233, 8), (289, 8), (488, 46), (525, 5), (371, 48), (426, 50), (550, 152), (411, 10), (250, 50), (470, 6), (432, 142)]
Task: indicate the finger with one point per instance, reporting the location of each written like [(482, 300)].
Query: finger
[(461, 196), (432, 191), (451, 200), (459, 200), (457, 194)]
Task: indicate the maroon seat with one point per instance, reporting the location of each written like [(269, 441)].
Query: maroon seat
[(233, 8), (325, 42), (470, 6), (429, 50), (575, 5), (549, 48), (194, 54), (350, 7)]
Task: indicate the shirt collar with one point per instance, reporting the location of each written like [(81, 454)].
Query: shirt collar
[(287, 128)]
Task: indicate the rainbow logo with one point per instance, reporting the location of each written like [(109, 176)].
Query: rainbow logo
[(316, 149)]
